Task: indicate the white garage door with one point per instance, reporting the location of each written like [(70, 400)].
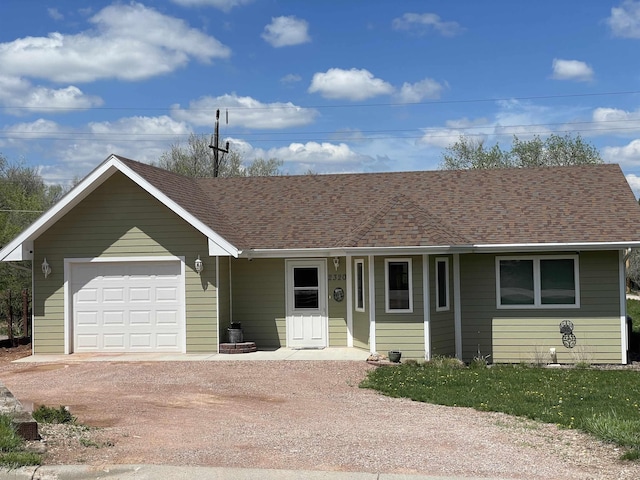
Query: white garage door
[(127, 306)]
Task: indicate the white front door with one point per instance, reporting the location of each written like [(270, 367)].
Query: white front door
[(307, 324)]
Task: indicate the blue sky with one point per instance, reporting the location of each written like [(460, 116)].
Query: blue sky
[(331, 86)]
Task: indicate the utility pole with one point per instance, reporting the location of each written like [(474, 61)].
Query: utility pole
[(216, 148)]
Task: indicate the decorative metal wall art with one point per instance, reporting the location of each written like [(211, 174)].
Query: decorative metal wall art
[(566, 330)]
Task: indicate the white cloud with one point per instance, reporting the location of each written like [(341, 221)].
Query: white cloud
[(422, 23), (352, 84), (224, 5), (40, 128), (628, 154), (286, 31), (131, 42), (634, 182), (298, 158), (55, 14), (245, 112), (613, 120), (290, 78), (416, 92), (571, 70), (625, 20)]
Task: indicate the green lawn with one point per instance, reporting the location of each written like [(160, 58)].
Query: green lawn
[(605, 403), (12, 454)]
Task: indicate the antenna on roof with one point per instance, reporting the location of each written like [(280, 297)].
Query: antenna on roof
[(215, 147)]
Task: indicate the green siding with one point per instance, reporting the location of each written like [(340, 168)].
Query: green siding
[(337, 310), (361, 319), (518, 340), (258, 289), (129, 223), (400, 331), (599, 298), (441, 323)]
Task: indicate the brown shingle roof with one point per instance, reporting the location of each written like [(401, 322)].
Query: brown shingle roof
[(477, 207)]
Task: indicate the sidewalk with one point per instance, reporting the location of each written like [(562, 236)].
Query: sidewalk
[(152, 472)]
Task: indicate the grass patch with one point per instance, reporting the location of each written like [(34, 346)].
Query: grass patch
[(12, 454), (44, 414), (633, 310), (603, 403)]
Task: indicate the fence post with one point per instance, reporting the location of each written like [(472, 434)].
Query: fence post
[(10, 318), (25, 313)]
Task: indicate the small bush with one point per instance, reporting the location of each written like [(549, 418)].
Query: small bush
[(9, 439), (44, 414), (444, 362), (611, 428)]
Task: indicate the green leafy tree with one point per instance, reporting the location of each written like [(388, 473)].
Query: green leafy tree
[(23, 198), (555, 150), (195, 159)]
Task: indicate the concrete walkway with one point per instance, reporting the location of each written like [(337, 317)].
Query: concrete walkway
[(353, 354), (148, 472)]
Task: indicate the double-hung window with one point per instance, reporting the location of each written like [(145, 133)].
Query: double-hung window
[(398, 285), (538, 282)]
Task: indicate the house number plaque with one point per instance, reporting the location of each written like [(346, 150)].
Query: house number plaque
[(337, 276)]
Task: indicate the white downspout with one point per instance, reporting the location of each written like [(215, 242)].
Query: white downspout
[(372, 306), (427, 307)]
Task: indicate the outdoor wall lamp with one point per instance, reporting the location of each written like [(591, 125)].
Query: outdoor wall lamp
[(46, 269), (199, 265), (336, 263)]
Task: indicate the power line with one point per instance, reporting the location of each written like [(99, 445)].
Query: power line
[(318, 106)]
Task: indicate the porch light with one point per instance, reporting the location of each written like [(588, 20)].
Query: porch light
[(336, 263), (46, 269), (199, 265)]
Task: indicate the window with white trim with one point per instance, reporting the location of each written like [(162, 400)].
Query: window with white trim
[(538, 281), (359, 285), (398, 285), (442, 284)]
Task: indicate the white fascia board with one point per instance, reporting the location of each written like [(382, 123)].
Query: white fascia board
[(343, 251), (223, 248), (12, 252), (64, 205), (539, 247)]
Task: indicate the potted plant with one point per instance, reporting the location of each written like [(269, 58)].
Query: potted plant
[(394, 356)]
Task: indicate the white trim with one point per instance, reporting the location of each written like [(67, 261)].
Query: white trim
[(372, 305), (447, 305), (387, 308), (21, 247), (217, 302), (435, 249), (624, 344), (426, 307), (359, 261), (537, 294), (457, 306), (68, 300), (349, 293)]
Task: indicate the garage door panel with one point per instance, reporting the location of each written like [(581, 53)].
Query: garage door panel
[(166, 317), (88, 295), (116, 306), (113, 341), (113, 317), (166, 294), (140, 317), (87, 341), (140, 341), (87, 318), (140, 294), (113, 294)]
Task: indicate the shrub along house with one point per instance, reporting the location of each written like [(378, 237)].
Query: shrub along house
[(509, 263)]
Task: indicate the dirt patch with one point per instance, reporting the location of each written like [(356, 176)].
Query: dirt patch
[(291, 415)]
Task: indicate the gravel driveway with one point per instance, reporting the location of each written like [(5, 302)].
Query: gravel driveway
[(294, 415)]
